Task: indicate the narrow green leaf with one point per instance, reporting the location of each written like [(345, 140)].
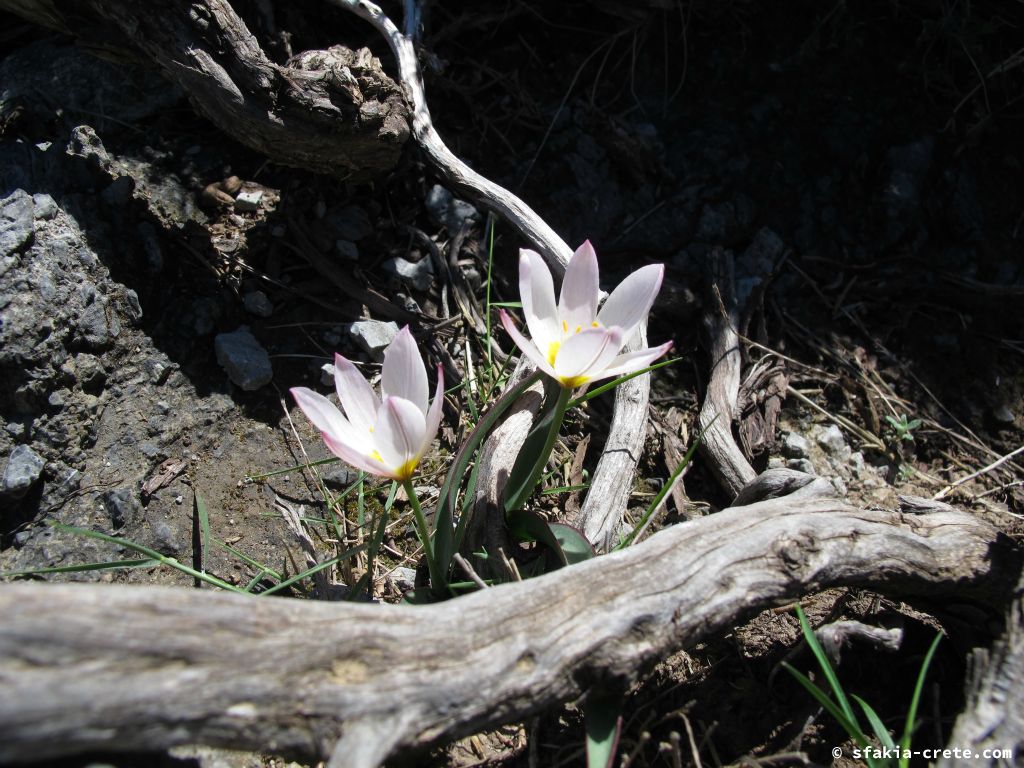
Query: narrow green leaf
[(851, 728), (527, 525), (248, 560), (574, 544), (826, 666), (911, 722), (199, 506), (536, 450), (602, 718), (315, 569), (508, 304), (143, 563), (881, 732), (590, 394)]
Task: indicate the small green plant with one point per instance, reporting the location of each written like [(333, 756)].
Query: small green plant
[(903, 428), (883, 751)]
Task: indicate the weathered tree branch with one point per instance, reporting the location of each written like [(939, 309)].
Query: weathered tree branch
[(87, 666), (332, 111)]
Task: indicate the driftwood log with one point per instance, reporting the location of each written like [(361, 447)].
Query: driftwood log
[(86, 666), (332, 111)]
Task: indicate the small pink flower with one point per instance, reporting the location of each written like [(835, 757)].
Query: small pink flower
[(387, 436), (572, 341)]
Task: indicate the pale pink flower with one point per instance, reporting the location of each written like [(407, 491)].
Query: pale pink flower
[(383, 436), (572, 341)]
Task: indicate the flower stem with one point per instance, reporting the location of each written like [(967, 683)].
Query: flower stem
[(533, 456), (437, 582)]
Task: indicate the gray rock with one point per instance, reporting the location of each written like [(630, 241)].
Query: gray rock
[(24, 468), (122, 506), (856, 464), (17, 225), (1003, 414), (245, 361), (258, 304), (403, 578), (795, 446), (373, 336), (97, 325), (347, 250), (339, 476), (801, 465), (418, 274), (445, 210), (348, 223), (831, 440), (166, 540), (45, 206)]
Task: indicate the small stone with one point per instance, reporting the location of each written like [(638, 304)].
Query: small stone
[(258, 304), (347, 250), (831, 440), (157, 370), (418, 274), (404, 579), (339, 476), (795, 446), (122, 506), (17, 228), (245, 361), (856, 464), (24, 468), (248, 201), (801, 465), (45, 206), (447, 211), (327, 374), (373, 336), (165, 540)]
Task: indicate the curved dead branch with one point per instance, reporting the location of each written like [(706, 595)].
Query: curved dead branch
[(89, 666)]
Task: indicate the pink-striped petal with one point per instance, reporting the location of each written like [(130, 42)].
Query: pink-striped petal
[(537, 291), (633, 361), (586, 353), (328, 419), (632, 299), (398, 435), (527, 347), (355, 394), (577, 303), (403, 373)]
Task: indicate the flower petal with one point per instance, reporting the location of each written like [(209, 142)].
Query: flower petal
[(355, 394), (403, 374), (577, 303), (398, 435), (633, 361), (527, 347), (356, 459), (632, 299), (537, 291), (328, 419), (586, 353)]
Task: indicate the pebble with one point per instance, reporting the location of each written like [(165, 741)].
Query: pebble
[(801, 465), (245, 361), (121, 506), (831, 440), (45, 206), (373, 336), (165, 540), (248, 201), (258, 304), (418, 274), (403, 578), (445, 210), (348, 223), (795, 446), (1003, 414), (24, 468), (339, 476), (347, 250)]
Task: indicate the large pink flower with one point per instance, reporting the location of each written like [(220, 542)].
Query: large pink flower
[(572, 341), (387, 436)]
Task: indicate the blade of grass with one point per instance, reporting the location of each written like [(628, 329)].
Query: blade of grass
[(110, 565), (852, 730), (315, 569), (248, 560), (199, 506), (911, 723), (826, 666), (881, 732), (615, 382), (151, 553), (296, 468)]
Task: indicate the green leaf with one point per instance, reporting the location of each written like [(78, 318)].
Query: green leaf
[(881, 732), (536, 450), (911, 723), (144, 563), (199, 506), (446, 539), (574, 544), (315, 569), (602, 718), (826, 667), (615, 382), (852, 730)]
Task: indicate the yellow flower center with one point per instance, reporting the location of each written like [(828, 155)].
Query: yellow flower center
[(405, 471), (572, 382), (553, 351)]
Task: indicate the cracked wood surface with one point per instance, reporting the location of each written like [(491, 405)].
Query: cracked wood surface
[(139, 668)]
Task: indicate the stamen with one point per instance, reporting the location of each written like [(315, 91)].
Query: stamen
[(565, 326), (553, 351), (578, 329)]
